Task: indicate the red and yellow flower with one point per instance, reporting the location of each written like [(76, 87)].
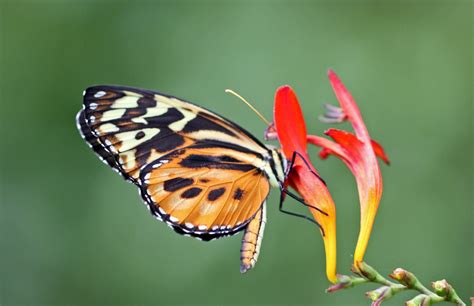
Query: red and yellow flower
[(358, 151), (291, 132)]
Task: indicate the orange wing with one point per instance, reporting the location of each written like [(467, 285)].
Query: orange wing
[(204, 192)]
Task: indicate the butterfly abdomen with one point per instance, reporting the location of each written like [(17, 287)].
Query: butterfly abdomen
[(252, 240)]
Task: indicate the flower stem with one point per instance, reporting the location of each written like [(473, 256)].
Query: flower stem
[(442, 290)]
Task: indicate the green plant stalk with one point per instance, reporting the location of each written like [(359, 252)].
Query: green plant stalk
[(407, 281)]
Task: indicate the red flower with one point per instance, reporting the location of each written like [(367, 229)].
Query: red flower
[(359, 153), (291, 132)]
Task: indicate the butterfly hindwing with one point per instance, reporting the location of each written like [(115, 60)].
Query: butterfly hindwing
[(205, 192), (131, 128)]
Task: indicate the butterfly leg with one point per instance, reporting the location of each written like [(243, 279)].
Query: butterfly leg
[(282, 198), (286, 191), (297, 198), (292, 163)]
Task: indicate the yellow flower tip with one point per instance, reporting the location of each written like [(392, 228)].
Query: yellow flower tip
[(356, 267), (331, 277), (367, 221), (330, 248)]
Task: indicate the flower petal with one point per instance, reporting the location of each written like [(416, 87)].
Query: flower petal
[(349, 106), (348, 141), (329, 147), (315, 192), (380, 152), (289, 121), (291, 131)]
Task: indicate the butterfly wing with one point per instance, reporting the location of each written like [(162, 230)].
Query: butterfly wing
[(204, 192), (196, 170), (129, 127)]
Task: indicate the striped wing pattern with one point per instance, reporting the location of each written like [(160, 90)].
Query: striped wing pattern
[(139, 126), (198, 172)]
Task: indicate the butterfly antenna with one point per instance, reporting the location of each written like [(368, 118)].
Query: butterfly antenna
[(248, 104)]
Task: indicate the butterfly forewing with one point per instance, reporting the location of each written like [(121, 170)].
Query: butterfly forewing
[(94, 143), (139, 126)]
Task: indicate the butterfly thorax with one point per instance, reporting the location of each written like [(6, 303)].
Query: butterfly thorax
[(274, 167)]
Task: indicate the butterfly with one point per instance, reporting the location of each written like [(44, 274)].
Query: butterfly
[(201, 174)]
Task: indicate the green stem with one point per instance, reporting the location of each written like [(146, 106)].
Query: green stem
[(419, 287), (407, 280)]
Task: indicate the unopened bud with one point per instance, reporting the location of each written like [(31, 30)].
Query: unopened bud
[(419, 300), (379, 295), (404, 277), (343, 282), (441, 287)]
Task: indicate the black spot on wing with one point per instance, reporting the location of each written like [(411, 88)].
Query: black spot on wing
[(238, 194), (146, 102), (215, 162), (139, 135), (177, 183), (216, 194), (191, 193)]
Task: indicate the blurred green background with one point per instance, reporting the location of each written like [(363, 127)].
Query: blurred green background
[(74, 233)]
